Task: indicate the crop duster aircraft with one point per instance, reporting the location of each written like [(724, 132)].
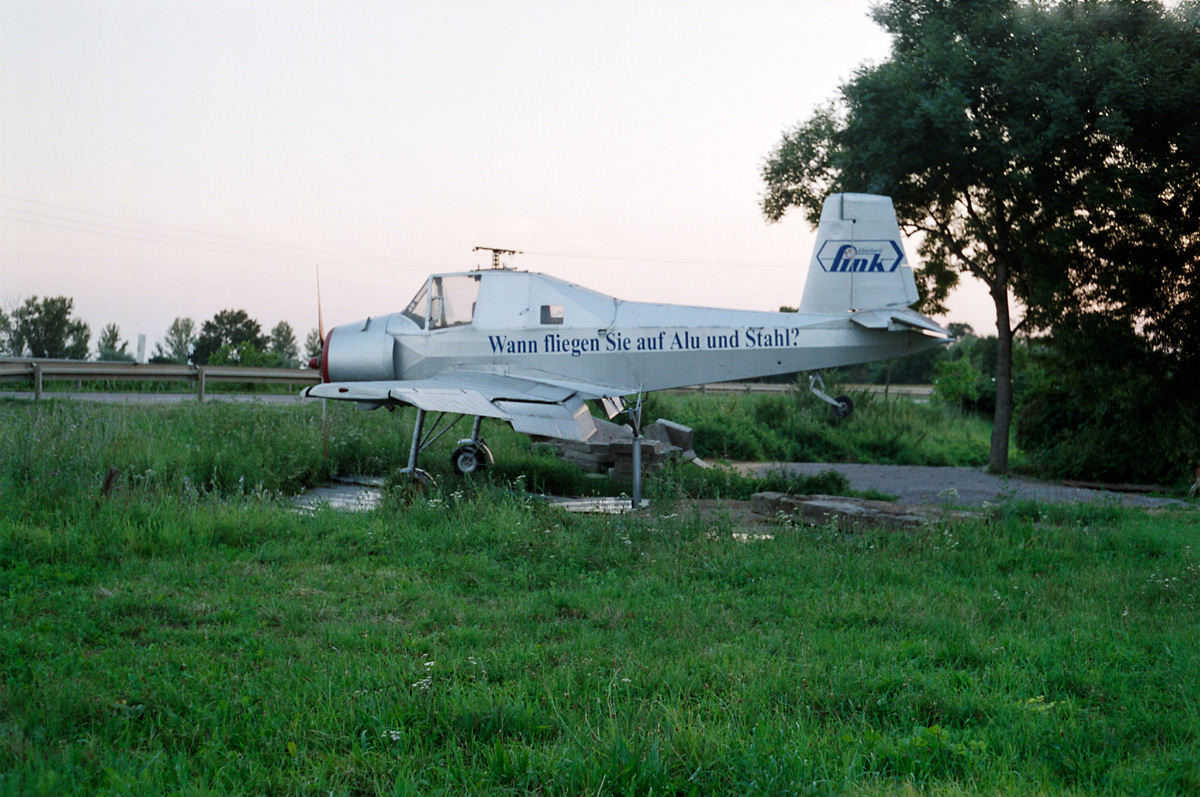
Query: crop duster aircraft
[(531, 349)]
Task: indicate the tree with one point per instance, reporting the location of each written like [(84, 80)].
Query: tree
[(110, 347), (176, 346), (246, 354), (44, 328), (283, 350), (1049, 149), (313, 343), (233, 327), (6, 336)]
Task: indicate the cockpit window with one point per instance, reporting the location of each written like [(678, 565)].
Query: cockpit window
[(418, 306), (453, 300)]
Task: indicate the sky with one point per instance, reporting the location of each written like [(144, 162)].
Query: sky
[(177, 159)]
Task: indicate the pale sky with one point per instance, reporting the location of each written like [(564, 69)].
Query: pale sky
[(163, 159)]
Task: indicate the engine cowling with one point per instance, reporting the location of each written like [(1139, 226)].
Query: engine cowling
[(360, 352)]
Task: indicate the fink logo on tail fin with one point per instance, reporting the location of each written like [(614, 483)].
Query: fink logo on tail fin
[(860, 256)]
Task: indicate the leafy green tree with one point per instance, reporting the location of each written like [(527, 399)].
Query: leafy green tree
[(110, 347), (1051, 149), (176, 346), (233, 327), (6, 336), (312, 343), (45, 328), (246, 354), (956, 381), (283, 350)]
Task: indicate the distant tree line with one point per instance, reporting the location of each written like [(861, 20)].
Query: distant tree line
[(45, 328)]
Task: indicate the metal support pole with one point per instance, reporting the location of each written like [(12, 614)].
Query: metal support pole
[(475, 427), (637, 455), (416, 441), (37, 381), (200, 383), (637, 469)]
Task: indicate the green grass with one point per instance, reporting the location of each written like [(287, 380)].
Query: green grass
[(798, 427), (202, 638), (53, 450)]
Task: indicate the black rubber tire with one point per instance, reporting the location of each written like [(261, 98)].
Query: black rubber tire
[(468, 459), (844, 409)]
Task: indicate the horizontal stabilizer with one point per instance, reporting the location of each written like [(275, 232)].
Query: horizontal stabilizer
[(898, 320)]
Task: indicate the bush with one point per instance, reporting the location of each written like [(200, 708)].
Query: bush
[(1102, 406)]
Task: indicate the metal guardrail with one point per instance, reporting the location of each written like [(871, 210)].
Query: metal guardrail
[(38, 371)]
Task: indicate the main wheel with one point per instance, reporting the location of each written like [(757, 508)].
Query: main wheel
[(844, 407), (470, 458)]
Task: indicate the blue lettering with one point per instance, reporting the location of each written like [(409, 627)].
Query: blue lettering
[(504, 345)]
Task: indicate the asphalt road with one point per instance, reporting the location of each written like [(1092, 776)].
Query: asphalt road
[(966, 487)]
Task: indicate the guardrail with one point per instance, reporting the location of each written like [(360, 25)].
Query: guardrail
[(39, 371)]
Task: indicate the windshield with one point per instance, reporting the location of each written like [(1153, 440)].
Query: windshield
[(453, 300), (417, 307)]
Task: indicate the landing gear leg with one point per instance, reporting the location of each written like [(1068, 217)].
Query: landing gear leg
[(419, 476), (471, 456), (842, 405)]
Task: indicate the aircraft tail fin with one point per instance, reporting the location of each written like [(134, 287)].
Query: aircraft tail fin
[(858, 262)]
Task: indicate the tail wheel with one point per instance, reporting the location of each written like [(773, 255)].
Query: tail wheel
[(470, 458), (844, 407)]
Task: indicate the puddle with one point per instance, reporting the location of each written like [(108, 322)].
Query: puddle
[(363, 493), (348, 494), (605, 506)]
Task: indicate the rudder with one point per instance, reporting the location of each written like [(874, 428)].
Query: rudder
[(858, 262)]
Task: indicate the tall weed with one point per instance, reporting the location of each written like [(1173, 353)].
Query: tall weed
[(798, 427)]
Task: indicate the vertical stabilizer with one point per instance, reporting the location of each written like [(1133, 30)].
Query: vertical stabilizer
[(858, 262)]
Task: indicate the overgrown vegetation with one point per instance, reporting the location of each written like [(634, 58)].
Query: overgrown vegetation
[(1104, 405), (190, 634), (51, 449), (798, 427)]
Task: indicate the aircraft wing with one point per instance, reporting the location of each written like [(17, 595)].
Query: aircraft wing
[(532, 407)]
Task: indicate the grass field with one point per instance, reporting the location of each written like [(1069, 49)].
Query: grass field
[(192, 634)]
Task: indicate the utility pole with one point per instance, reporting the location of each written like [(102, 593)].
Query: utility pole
[(496, 254)]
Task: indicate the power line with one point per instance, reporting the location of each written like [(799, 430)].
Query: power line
[(186, 238)]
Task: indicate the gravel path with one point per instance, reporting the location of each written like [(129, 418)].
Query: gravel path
[(968, 487)]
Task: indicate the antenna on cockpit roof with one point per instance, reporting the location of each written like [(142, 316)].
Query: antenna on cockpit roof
[(496, 254)]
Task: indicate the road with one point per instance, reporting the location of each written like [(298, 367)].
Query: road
[(966, 487)]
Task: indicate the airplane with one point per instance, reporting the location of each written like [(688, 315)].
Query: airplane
[(531, 349)]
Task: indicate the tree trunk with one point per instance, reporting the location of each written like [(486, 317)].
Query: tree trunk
[(1002, 421)]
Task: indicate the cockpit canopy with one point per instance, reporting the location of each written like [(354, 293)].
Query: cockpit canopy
[(506, 299), (445, 301)]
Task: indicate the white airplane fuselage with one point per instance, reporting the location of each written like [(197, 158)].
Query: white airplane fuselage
[(598, 340)]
